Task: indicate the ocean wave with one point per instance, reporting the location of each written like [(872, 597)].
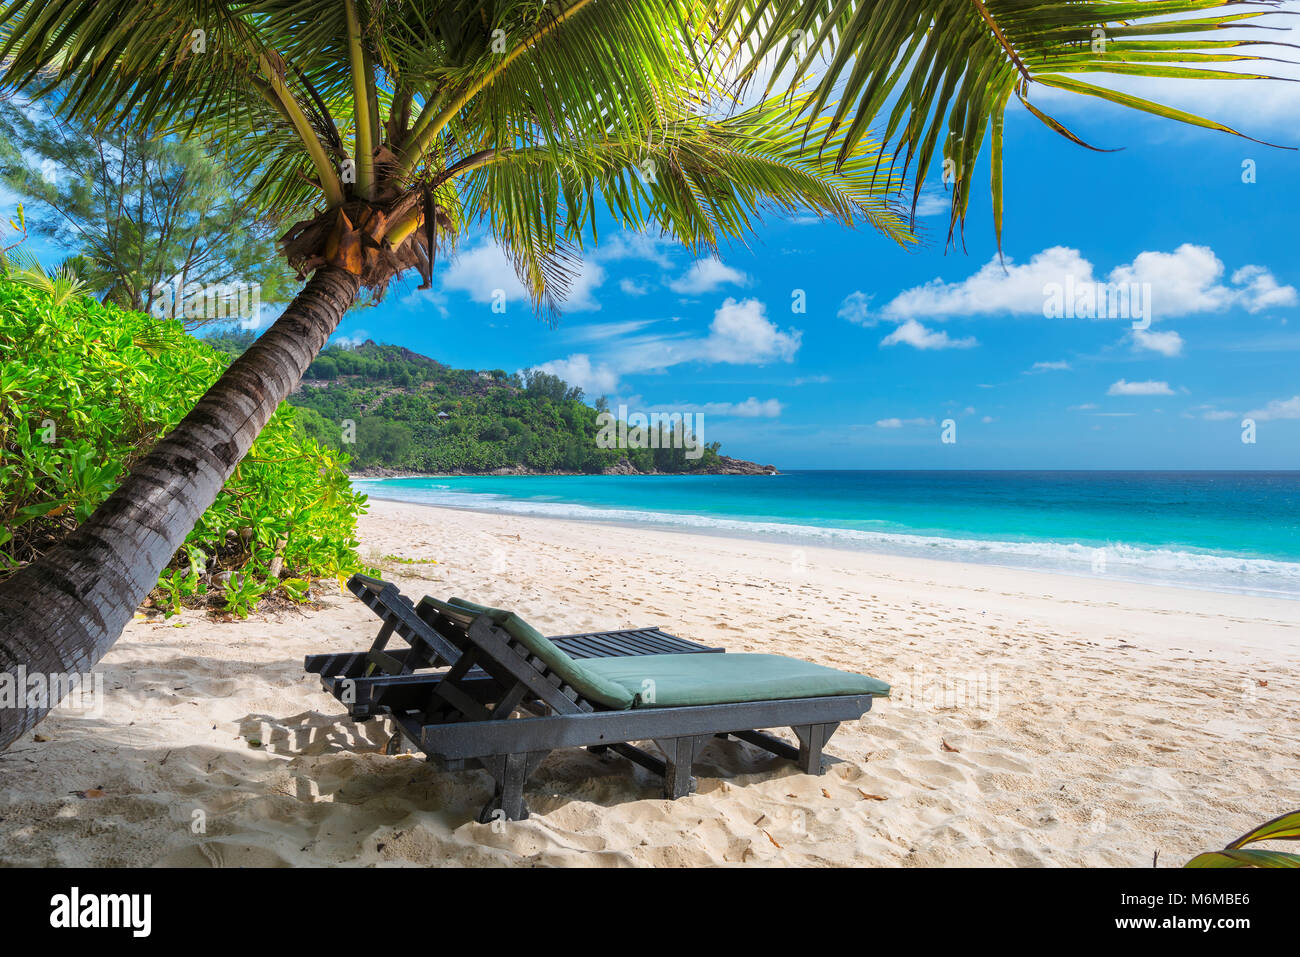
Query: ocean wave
[(1125, 561)]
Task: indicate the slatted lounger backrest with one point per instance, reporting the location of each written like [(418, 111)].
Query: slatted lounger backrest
[(503, 656), (428, 646)]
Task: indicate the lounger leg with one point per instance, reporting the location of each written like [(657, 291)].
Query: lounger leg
[(512, 787), (511, 772), (677, 770), (812, 738), (679, 755)]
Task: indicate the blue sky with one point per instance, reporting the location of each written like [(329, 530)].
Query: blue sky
[(893, 343)]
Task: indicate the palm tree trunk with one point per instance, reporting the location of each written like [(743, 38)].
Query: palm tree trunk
[(59, 615)]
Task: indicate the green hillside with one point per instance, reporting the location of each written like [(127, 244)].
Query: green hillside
[(407, 412)]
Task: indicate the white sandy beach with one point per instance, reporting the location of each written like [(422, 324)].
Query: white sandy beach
[(1037, 719)]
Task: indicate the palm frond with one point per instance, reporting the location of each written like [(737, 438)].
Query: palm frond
[(699, 181), (943, 71)]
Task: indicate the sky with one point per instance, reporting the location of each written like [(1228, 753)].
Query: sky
[(895, 350)]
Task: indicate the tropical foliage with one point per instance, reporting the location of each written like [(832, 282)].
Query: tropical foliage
[(139, 211), (87, 389), (1237, 854)]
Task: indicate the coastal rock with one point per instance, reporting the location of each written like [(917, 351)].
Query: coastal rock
[(621, 467), (729, 466)]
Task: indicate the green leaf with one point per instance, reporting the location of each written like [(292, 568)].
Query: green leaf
[(1252, 857), (1147, 106), (1284, 828)]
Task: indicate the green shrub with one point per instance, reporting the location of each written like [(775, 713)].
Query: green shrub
[(86, 390)]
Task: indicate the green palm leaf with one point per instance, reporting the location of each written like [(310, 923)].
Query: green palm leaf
[(1283, 828), (1249, 858)]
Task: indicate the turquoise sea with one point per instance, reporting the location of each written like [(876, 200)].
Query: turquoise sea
[(1228, 531)]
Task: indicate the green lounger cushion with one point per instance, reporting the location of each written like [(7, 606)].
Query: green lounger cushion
[(591, 686), (671, 681)]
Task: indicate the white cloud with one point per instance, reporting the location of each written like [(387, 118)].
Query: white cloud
[(591, 378), (706, 275), (914, 334), (899, 423), (642, 246), (1059, 365), (482, 270), (1086, 407), (1188, 280), (1167, 343), (855, 308), (349, 340), (1124, 387), (424, 298), (1218, 415), (600, 331), (1277, 409), (582, 286), (932, 203), (1017, 289), (631, 287), (1261, 290), (741, 334), (751, 408)]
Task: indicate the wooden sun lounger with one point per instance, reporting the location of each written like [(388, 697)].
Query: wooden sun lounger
[(383, 681), (459, 713)]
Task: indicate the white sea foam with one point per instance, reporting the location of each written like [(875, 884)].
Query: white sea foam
[(1192, 569)]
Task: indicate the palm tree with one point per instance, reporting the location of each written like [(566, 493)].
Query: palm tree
[(384, 128)]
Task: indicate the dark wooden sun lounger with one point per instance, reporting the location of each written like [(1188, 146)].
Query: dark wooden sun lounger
[(384, 680), (468, 670)]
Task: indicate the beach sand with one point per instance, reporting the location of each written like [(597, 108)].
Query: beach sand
[(1036, 719)]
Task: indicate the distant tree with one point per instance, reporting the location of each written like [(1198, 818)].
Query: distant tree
[(544, 385), (311, 424), (602, 404), (381, 442), (233, 342), (323, 368), (138, 211)]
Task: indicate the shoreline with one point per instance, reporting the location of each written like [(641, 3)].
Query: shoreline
[(1035, 719), (511, 473), (1029, 584), (802, 537)]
